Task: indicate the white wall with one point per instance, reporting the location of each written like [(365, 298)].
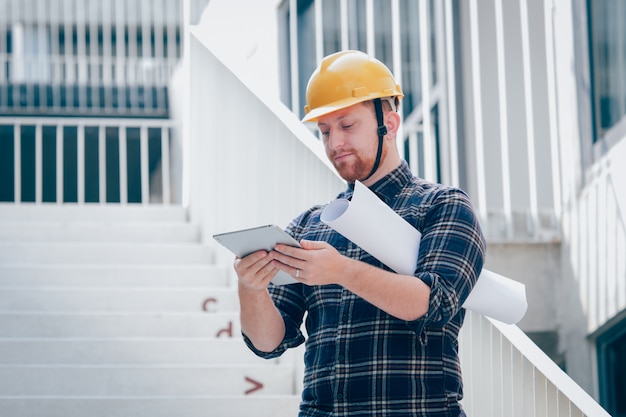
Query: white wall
[(244, 35)]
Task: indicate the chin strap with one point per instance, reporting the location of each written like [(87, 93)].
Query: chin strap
[(382, 131)]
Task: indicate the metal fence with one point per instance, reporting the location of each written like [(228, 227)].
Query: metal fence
[(74, 160)]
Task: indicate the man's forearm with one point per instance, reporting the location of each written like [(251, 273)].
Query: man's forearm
[(260, 320), (402, 296)]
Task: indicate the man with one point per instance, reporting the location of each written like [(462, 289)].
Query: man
[(379, 343)]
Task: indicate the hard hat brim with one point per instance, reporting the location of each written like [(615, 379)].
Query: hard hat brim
[(318, 112), (315, 114)]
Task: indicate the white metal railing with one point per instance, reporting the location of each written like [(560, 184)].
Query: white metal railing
[(506, 374), (253, 162), (149, 142)]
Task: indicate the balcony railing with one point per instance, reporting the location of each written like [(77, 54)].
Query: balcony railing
[(78, 160)]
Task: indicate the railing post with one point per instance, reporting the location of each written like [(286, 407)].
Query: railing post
[(165, 164)]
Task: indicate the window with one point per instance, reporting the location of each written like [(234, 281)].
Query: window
[(611, 347), (607, 42)]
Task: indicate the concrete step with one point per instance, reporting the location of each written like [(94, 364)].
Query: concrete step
[(96, 253), (97, 381), (115, 275), (121, 311), (131, 351), (117, 299), (119, 325), (98, 231), (108, 213), (201, 406)]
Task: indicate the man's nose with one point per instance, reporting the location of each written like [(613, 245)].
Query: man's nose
[(335, 140)]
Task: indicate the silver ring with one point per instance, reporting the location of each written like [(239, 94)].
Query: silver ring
[(297, 273)]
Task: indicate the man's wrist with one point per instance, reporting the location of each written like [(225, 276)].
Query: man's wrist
[(250, 291)]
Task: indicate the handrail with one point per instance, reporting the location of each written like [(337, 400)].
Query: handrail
[(506, 374)]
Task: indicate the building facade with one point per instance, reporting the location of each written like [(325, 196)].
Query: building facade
[(523, 105), (84, 87)]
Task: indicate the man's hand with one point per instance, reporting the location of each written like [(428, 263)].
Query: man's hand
[(260, 320), (316, 263), (255, 271)]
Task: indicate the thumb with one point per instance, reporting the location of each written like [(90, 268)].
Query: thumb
[(313, 244)]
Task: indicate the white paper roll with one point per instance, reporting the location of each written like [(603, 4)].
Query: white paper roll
[(370, 223)]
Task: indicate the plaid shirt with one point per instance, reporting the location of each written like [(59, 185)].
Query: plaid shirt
[(361, 361)]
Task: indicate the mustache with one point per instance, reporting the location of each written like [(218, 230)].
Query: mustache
[(342, 151)]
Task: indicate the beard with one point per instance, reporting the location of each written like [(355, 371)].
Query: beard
[(358, 166)]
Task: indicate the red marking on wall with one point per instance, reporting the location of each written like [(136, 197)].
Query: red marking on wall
[(205, 305), (256, 386), (228, 331)]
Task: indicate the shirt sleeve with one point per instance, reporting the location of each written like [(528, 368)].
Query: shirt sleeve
[(288, 300), (452, 251)]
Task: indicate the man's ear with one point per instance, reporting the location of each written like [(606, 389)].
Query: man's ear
[(392, 121)]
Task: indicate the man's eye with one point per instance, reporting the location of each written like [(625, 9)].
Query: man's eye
[(326, 133), (347, 126)]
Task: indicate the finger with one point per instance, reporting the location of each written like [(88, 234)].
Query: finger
[(287, 260), (290, 251), (266, 273), (294, 271), (253, 265), (259, 275), (242, 264), (313, 244)]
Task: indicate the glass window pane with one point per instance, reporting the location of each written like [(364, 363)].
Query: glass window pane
[(411, 64), (611, 348), (306, 48), (608, 56), (382, 32), (331, 21), (357, 25)]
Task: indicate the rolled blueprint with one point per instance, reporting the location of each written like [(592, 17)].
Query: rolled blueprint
[(395, 242)]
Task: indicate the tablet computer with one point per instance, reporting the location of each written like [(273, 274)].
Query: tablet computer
[(246, 241)]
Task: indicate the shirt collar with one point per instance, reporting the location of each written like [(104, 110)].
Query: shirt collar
[(391, 184)]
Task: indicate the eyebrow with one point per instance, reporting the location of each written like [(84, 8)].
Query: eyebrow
[(343, 116)]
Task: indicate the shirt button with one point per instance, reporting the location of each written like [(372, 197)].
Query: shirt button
[(340, 358), (340, 396)]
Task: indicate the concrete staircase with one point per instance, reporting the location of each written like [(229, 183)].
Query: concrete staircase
[(120, 311)]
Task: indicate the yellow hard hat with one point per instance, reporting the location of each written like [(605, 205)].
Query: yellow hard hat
[(346, 78)]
